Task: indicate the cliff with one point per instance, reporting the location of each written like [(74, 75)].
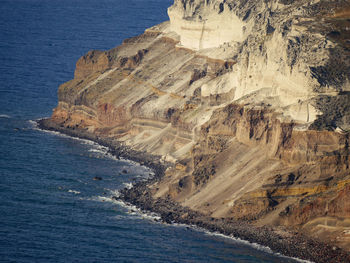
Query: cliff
[(248, 99)]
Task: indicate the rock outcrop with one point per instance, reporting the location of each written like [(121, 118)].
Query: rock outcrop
[(248, 99)]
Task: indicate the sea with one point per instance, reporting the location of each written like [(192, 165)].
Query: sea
[(51, 208)]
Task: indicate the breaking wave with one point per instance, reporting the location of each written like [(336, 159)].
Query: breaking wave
[(134, 211), (5, 116), (73, 191)]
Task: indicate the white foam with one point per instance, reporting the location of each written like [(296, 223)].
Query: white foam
[(236, 239), (33, 123), (134, 211), (56, 133), (128, 185), (131, 209), (232, 238), (73, 191), (147, 173), (137, 164), (241, 241), (5, 116), (101, 151), (115, 193)]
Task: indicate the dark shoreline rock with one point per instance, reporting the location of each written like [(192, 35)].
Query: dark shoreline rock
[(289, 244), (296, 245), (114, 147)]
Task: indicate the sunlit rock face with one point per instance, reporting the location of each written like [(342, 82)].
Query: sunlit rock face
[(205, 24), (281, 50), (249, 99)]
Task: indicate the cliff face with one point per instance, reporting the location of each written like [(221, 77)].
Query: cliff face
[(288, 53), (249, 99)]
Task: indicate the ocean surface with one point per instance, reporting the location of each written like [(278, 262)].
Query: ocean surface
[(51, 209)]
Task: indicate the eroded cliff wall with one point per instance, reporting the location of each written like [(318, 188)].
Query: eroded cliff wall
[(249, 99)]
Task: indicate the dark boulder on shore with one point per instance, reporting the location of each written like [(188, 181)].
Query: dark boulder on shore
[(289, 244), (297, 246)]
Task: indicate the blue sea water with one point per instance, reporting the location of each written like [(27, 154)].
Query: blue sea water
[(51, 209)]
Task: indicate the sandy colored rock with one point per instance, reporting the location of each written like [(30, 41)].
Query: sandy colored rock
[(248, 99)]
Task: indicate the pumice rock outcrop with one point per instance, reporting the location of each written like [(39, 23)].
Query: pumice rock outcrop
[(248, 99)]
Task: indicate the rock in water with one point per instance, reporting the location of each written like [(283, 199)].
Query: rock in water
[(97, 178)]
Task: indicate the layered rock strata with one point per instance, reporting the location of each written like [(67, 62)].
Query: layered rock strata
[(248, 99)]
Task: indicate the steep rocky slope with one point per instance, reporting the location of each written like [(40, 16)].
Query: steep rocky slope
[(248, 99)]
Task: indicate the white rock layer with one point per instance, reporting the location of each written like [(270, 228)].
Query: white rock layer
[(266, 70)]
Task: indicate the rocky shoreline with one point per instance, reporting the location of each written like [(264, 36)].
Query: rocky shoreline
[(279, 240)]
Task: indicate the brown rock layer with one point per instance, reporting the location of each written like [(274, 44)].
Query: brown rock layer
[(232, 159)]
